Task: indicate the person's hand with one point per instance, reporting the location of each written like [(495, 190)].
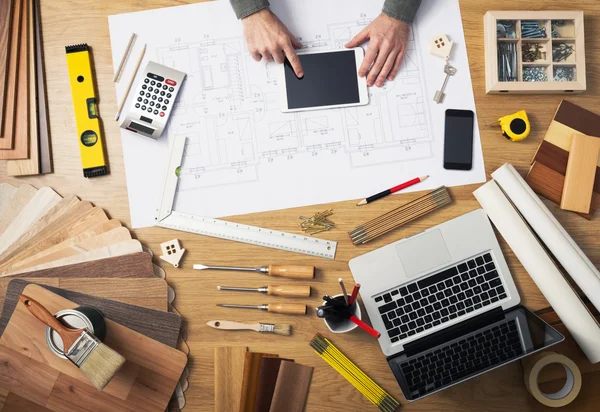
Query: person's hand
[(388, 39), (267, 38)]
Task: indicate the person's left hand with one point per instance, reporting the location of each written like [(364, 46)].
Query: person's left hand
[(388, 39)]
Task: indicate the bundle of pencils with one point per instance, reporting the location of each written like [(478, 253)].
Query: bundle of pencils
[(400, 216), (344, 366)]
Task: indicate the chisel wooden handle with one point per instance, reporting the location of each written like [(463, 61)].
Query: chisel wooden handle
[(289, 291), (287, 308), (292, 272)]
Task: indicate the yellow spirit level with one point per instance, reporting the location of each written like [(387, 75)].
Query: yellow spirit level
[(516, 126), (86, 110)]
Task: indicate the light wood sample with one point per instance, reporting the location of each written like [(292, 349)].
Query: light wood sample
[(30, 166), (112, 237), (44, 200), (57, 211), (229, 375), (20, 148), (6, 192), (127, 247), (7, 132), (5, 26), (581, 173), (17, 202)]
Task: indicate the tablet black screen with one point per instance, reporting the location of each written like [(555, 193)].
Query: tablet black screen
[(329, 79)]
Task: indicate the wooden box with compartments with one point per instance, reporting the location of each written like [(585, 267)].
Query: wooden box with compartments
[(534, 52)]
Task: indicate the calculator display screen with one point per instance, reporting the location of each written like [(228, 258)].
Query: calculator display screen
[(329, 79), (141, 128)]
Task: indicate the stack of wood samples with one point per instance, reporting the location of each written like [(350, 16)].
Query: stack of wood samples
[(80, 256), (24, 132), (549, 165)]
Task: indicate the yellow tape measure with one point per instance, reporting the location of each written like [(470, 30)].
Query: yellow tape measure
[(516, 126), (86, 111)]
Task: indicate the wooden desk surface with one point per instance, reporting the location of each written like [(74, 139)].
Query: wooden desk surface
[(77, 21)]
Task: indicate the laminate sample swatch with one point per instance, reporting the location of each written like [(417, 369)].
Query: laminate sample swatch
[(549, 184), (17, 202), (31, 165), (7, 132), (20, 149), (146, 292), (581, 173), (158, 325), (229, 375), (41, 96), (267, 378), (6, 7), (291, 389), (137, 265), (250, 381)]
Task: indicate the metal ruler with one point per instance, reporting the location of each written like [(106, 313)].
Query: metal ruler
[(222, 229)]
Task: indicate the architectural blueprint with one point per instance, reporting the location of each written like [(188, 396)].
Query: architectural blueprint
[(244, 155)]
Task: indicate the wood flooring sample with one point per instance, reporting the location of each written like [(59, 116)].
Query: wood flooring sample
[(267, 379), (250, 381), (581, 173), (21, 197), (291, 389), (229, 374)]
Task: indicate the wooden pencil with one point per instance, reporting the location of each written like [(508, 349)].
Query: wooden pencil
[(135, 70), (124, 59)]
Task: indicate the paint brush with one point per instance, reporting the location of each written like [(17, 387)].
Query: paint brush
[(95, 360), (278, 329)]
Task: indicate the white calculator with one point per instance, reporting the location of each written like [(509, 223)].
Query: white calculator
[(153, 100)]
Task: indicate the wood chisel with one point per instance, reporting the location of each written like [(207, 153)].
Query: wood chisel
[(288, 291), (286, 271), (286, 308)]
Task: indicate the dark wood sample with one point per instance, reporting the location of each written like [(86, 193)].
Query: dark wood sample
[(161, 326), (291, 389)]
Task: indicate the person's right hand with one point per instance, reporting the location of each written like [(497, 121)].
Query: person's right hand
[(267, 38)]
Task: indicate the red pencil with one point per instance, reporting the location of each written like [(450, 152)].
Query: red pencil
[(354, 293), (392, 190), (365, 327)]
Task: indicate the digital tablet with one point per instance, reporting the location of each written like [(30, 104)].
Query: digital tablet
[(330, 80)]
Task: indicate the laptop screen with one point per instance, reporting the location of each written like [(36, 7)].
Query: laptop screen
[(469, 349)]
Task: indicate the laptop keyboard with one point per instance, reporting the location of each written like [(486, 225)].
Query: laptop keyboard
[(439, 298), (461, 359)]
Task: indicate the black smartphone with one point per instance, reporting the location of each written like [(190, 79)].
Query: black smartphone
[(458, 140)]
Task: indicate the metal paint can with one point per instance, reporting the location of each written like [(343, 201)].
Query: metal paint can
[(82, 317)]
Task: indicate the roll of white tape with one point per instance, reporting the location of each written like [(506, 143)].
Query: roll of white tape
[(569, 391)]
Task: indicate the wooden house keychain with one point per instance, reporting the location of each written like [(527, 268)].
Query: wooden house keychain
[(441, 46)]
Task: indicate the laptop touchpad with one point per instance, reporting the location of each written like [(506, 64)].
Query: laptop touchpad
[(423, 253)]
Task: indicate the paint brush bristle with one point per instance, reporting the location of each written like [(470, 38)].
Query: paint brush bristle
[(101, 365), (283, 329)]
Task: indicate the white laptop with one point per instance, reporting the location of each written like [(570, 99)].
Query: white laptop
[(444, 270)]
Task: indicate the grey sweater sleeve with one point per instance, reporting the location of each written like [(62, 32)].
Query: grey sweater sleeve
[(404, 10), (244, 8)]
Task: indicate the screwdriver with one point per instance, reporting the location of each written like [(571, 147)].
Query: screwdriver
[(286, 271), (287, 308), (288, 291)]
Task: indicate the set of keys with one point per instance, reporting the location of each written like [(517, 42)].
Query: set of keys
[(441, 46)]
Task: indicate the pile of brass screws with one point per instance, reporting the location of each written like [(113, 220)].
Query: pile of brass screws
[(317, 223)]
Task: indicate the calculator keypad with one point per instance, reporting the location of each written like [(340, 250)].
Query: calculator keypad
[(155, 94)]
